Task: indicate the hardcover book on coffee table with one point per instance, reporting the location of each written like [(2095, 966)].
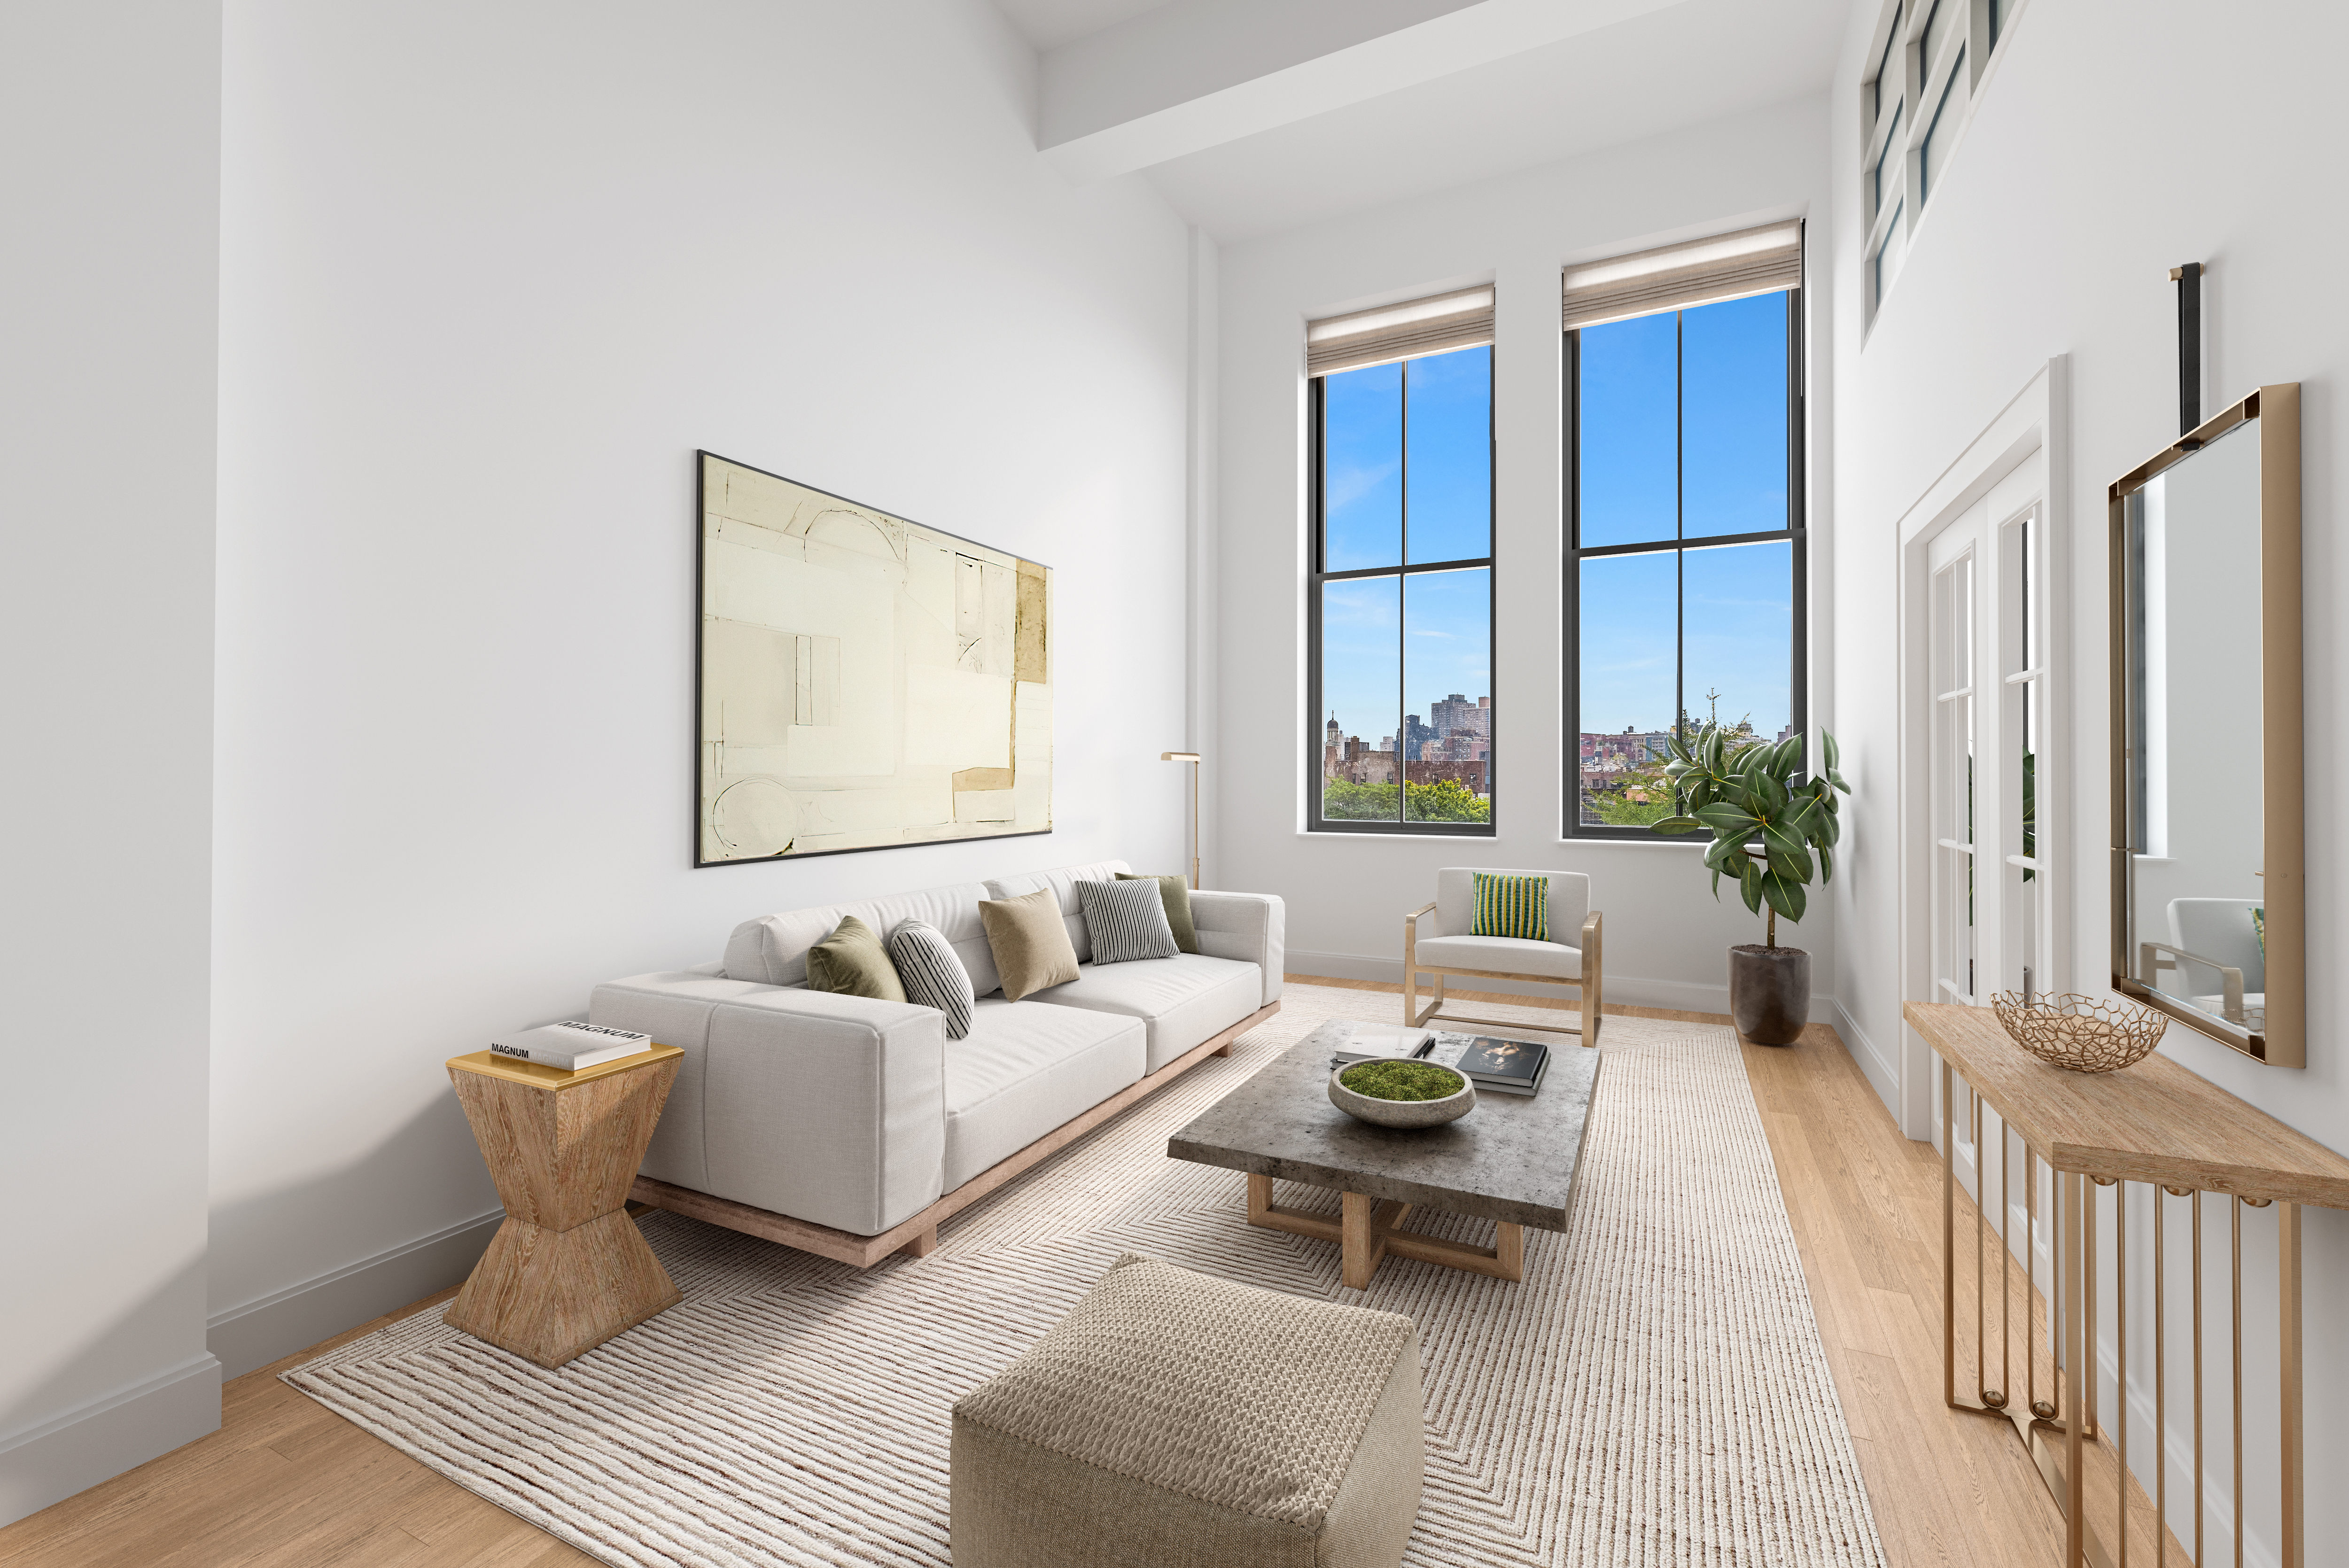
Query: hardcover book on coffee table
[(1503, 1066)]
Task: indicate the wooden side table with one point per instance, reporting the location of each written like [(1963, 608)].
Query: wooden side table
[(568, 1269)]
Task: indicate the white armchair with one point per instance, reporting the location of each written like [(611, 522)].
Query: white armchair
[(1453, 953), (2212, 943)]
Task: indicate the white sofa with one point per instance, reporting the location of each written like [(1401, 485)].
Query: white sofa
[(850, 1126)]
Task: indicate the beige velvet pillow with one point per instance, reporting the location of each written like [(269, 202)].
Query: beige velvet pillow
[(1030, 944)]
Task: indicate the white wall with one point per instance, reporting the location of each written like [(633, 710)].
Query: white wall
[(1666, 935), (110, 134), (2113, 141), (491, 275)]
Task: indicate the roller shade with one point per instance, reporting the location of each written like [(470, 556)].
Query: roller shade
[(1458, 320), (1674, 277)]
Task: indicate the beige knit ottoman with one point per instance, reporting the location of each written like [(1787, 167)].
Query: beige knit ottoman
[(1173, 1421)]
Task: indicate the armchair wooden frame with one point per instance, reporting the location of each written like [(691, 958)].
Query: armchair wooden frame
[(1590, 984)]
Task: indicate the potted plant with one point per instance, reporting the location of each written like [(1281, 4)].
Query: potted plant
[(1773, 829)]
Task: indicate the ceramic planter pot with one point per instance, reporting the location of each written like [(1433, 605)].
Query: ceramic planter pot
[(1770, 992), (1403, 1112)]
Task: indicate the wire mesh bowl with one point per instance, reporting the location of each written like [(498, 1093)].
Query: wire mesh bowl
[(2080, 1033)]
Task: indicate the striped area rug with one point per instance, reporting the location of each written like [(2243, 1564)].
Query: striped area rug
[(1653, 1392)]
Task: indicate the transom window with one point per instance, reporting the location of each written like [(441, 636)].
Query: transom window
[(1927, 65)]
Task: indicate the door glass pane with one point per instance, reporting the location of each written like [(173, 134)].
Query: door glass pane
[(1362, 467), (1733, 414), (2029, 693), (1448, 502), (1629, 665), (1362, 684), (1630, 440), (1738, 614), (1447, 642), (1935, 153)]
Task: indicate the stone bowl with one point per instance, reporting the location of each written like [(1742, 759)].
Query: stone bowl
[(1402, 1112)]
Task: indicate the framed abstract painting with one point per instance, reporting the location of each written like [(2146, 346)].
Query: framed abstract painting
[(862, 682)]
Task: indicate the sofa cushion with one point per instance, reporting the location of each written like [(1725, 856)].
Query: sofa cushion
[(1176, 894), (851, 962), (773, 949), (1023, 1070), (1031, 946), (1183, 1000), (933, 973), (1126, 922), (1502, 956), (1063, 884)]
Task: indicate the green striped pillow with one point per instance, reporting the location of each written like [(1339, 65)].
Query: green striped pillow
[(1511, 906)]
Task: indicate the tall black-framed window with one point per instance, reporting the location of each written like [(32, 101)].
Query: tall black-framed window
[(1398, 604), (1684, 565)]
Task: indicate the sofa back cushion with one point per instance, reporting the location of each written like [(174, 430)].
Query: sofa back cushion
[(1455, 901), (1063, 884), (773, 949)]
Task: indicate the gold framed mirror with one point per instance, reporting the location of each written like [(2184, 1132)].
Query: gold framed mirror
[(2207, 862)]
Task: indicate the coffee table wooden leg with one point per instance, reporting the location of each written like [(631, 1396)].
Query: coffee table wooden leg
[(1510, 1250), (1259, 1198), (1359, 1259)]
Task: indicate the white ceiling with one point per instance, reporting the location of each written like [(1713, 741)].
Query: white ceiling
[(1699, 60), (1254, 116), (1049, 24)]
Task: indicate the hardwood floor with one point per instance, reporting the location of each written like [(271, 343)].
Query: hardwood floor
[(284, 1483), (287, 1484)]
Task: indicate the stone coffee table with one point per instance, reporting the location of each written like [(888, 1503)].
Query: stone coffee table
[(1512, 1159)]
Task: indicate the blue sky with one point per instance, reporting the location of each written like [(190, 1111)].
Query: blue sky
[(1445, 617), (1728, 364)]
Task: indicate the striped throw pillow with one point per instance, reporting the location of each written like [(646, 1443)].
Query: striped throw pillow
[(1511, 906), (933, 973), (1126, 921)]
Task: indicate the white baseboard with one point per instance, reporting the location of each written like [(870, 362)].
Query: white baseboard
[(267, 1327), (51, 1461), (1882, 1075), (1679, 995)]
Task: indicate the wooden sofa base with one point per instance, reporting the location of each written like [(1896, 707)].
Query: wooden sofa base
[(918, 1235)]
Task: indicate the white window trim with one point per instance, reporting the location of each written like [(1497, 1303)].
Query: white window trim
[(2021, 460), (1919, 92)]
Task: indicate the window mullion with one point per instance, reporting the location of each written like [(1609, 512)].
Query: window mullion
[(1402, 611)]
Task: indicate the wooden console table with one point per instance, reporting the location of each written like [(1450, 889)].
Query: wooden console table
[(568, 1269), (2157, 1124)]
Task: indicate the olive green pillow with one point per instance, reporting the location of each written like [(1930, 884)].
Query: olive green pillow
[(1177, 891), (1030, 942), (853, 963)]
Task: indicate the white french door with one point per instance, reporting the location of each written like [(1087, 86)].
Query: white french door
[(1986, 641)]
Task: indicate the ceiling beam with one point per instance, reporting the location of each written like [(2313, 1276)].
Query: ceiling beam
[(1200, 73)]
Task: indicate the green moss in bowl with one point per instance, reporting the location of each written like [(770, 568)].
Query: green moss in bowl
[(1401, 1080)]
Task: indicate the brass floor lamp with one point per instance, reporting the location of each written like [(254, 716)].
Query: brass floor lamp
[(1193, 758)]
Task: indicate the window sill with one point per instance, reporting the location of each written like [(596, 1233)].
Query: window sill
[(1342, 834)]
